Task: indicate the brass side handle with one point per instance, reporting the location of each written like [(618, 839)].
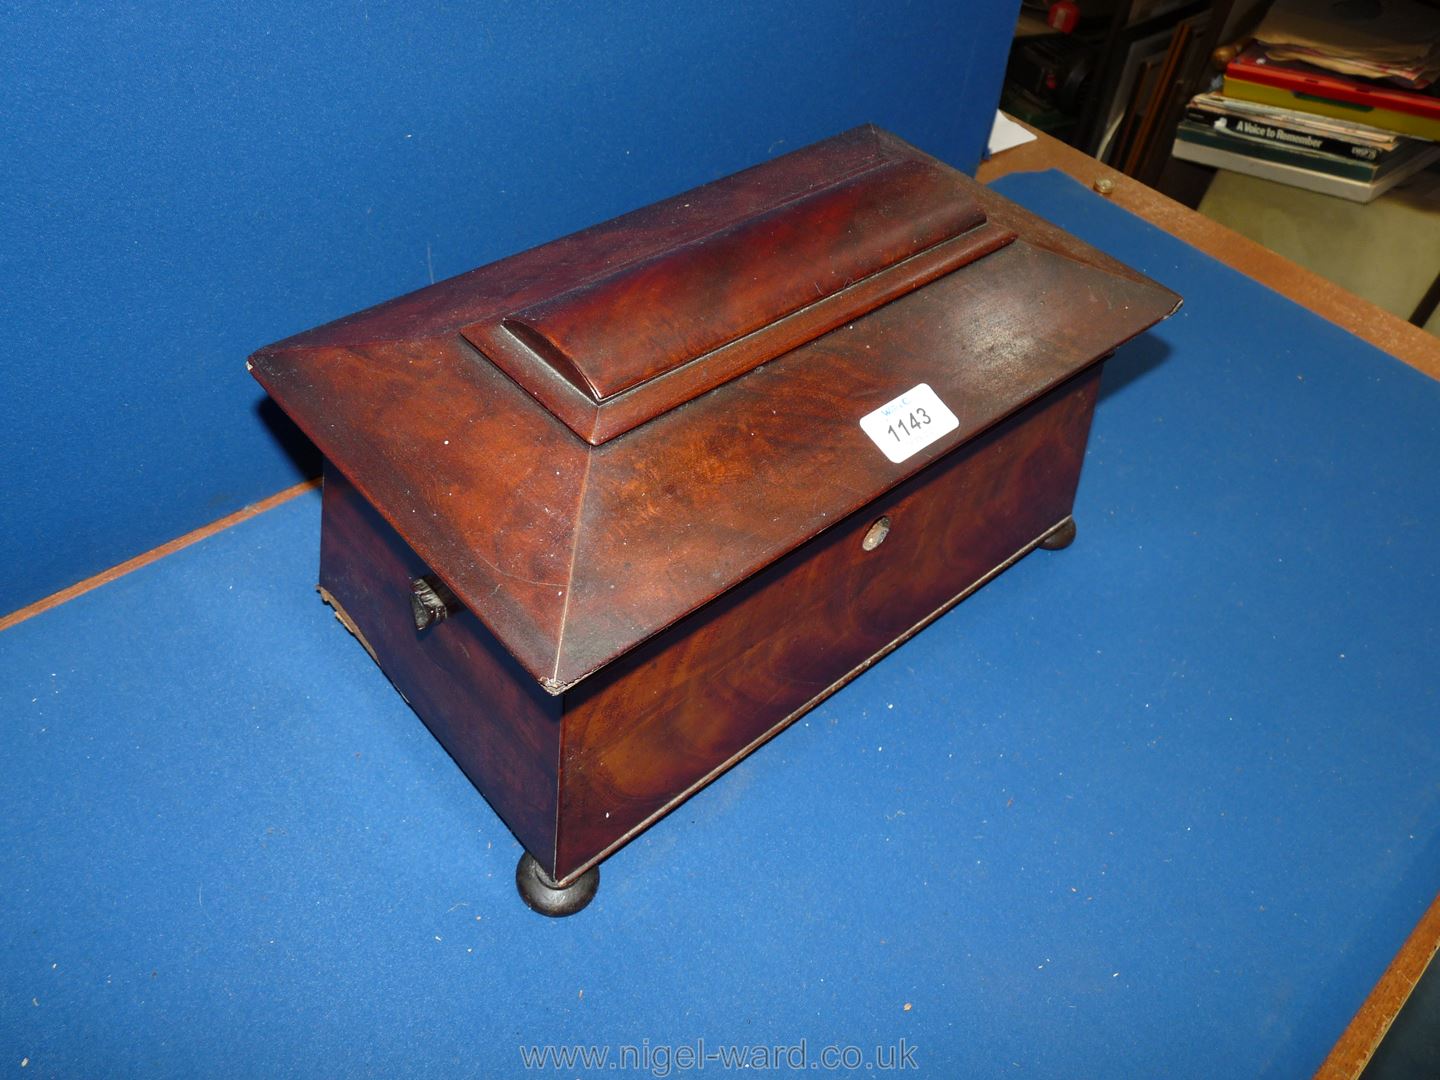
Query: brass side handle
[(431, 601)]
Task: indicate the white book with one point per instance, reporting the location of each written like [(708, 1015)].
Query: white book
[(1359, 191)]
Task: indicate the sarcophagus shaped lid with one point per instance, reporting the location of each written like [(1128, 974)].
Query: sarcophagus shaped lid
[(593, 438), (740, 278)]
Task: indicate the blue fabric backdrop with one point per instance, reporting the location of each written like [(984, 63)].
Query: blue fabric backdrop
[(1163, 804), (183, 183)]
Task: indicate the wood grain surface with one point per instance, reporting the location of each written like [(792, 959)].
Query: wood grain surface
[(501, 728), (667, 718), (576, 775), (572, 554)]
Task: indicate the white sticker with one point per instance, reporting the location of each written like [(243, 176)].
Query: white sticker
[(910, 423)]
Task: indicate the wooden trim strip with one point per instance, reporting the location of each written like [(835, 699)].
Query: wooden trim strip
[(148, 557), (1357, 1044)]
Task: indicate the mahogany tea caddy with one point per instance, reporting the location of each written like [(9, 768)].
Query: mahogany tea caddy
[(612, 512)]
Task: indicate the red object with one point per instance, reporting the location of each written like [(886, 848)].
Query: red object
[(1064, 15), (1253, 66)]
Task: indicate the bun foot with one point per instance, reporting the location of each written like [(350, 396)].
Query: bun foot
[(541, 893), (1061, 536)]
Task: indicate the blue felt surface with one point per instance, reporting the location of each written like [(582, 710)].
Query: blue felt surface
[(1162, 804), (183, 183)]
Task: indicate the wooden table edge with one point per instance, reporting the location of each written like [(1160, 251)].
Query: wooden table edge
[(1362, 1036), (145, 558)]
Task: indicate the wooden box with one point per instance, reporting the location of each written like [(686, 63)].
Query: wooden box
[(614, 511)]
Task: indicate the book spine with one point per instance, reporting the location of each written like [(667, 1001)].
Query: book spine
[(1333, 89), (1268, 170), (1285, 136), (1420, 127), (1269, 151)]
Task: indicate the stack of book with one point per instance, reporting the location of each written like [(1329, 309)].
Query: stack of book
[(1343, 102)]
